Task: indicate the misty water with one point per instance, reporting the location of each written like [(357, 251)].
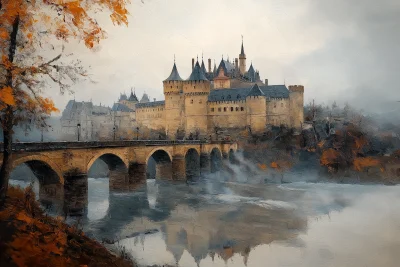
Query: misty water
[(238, 219)]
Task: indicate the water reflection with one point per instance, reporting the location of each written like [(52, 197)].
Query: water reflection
[(220, 222)]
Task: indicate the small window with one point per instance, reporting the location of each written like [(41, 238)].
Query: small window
[(191, 101), (241, 109), (219, 109), (231, 108), (225, 109), (275, 105), (212, 109), (237, 109)]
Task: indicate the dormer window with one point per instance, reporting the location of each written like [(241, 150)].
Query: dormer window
[(229, 96), (238, 96)]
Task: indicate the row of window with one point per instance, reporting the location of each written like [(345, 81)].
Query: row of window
[(225, 109), (147, 110)]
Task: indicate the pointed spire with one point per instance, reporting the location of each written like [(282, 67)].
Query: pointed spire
[(242, 50)]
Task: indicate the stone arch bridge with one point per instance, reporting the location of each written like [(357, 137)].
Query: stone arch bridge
[(54, 162)]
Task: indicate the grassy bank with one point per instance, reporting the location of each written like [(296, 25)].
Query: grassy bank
[(28, 237)]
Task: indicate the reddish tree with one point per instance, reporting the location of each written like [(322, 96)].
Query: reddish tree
[(28, 31)]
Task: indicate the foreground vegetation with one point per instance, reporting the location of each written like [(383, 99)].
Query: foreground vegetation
[(28, 237)]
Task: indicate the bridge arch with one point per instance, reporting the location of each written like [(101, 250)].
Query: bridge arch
[(110, 157), (159, 164), (44, 169), (192, 163), (216, 159)]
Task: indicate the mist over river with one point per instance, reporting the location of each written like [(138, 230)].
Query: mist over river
[(251, 220)]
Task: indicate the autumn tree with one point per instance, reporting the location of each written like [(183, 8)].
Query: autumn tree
[(32, 58)]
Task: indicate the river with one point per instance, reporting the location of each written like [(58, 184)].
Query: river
[(247, 222)]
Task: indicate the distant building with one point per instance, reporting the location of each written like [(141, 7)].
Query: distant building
[(229, 96), (100, 122)]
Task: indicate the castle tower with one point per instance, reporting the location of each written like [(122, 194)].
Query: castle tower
[(196, 90), (256, 106), (242, 60), (296, 104), (174, 112)]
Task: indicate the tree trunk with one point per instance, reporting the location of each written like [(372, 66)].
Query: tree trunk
[(7, 153), (8, 119)]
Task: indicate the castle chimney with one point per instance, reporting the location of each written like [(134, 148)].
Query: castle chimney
[(209, 65), (192, 64), (236, 63), (266, 81)]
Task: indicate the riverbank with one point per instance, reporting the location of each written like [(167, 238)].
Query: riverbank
[(29, 237)]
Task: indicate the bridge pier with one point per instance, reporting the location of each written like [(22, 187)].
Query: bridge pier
[(75, 194), (205, 163), (118, 179), (179, 168), (164, 170), (137, 172)]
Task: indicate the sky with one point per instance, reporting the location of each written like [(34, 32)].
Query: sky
[(340, 50)]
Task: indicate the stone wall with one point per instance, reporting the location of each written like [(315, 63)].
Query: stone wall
[(227, 114), (151, 117), (278, 111)]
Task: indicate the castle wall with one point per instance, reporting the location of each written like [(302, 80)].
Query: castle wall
[(151, 117), (296, 96), (174, 108), (196, 114), (256, 108), (278, 111), (227, 114)]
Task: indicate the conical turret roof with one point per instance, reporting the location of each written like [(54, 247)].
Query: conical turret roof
[(197, 74), (242, 50), (133, 97), (174, 76), (255, 91)]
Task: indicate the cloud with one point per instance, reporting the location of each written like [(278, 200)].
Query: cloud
[(344, 50)]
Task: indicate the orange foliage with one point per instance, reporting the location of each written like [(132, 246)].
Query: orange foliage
[(329, 157), (37, 23), (361, 163), (39, 240), (6, 97), (262, 166), (274, 165)]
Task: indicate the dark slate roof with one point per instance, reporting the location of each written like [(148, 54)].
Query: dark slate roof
[(150, 104), (236, 94), (174, 76), (203, 67), (227, 66), (121, 107), (133, 97), (145, 98), (255, 91), (251, 73), (197, 74), (123, 97), (242, 50)]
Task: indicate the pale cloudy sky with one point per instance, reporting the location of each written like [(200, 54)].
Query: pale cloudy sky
[(343, 50)]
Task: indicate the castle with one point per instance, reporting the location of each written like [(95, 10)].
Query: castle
[(227, 97)]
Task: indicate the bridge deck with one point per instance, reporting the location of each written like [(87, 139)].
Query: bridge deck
[(43, 146)]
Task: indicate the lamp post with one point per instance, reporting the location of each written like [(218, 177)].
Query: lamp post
[(78, 126), (41, 136), (114, 132), (137, 133)]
